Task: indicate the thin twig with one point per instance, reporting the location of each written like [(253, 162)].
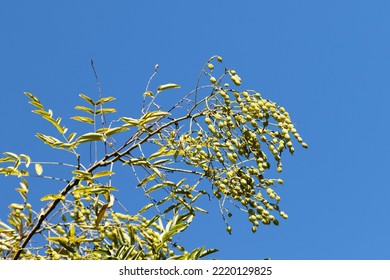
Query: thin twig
[(103, 118)]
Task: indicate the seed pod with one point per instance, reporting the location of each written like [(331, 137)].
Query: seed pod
[(231, 158), (229, 229), (236, 80)]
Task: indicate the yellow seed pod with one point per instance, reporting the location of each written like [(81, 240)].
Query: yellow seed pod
[(243, 182), (211, 128), (213, 80), (60, 230), (218, 116), (231, 158), (210, 66), (252, 218), (229, 229), (219, 59), (236, 80)]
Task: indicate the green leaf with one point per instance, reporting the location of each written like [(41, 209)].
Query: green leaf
[(89, 137), (102, 190), (115, 130), (43, 113), (159, 153), (146, 207), (12, 155), (174, 230), (207, 252), (152, 116), (82, 119), (105, 111), (52, 197), (130, 121), (200, 210), (155, 187), (171, 207), (101, 214), (32, 97), (102, 174), (63, 241), (152, 220), (82, 174), (23, 189), (56, 123), (37, 104), (71, 136), (38, 169), (105, 100), (49, 140), (161, 161), (7, 159), (167, 86), (147, 179), (84, 109), (88, 99)]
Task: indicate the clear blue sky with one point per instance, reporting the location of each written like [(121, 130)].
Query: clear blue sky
[(327, 62)]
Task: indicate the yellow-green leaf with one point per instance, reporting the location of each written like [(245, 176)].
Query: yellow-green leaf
[(102, 174), (115, 130), (84, 109), (167, 86), (101, 214), (105, 100), (152, 116), (105, 111), (88, 137), (33, 97), (88, 99), (130, 121), (146, 207), (147, 179), (71, 136), (52, 197), (82, 119)]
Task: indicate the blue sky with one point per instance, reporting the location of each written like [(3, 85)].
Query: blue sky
[(326, 62)]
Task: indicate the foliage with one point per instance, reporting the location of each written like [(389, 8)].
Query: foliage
[(215, 133)]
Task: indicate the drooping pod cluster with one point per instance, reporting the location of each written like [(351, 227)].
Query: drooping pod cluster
[(245, 136)]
